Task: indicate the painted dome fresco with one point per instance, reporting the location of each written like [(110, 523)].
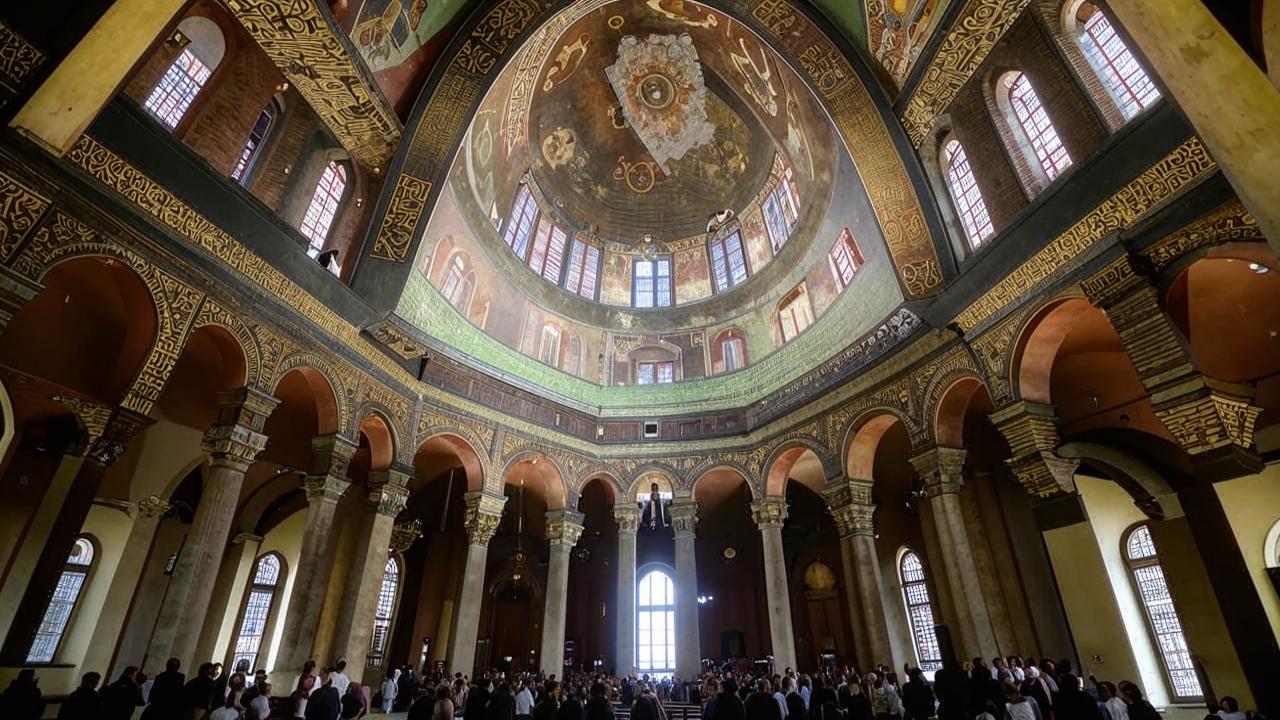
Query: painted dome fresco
[(650, 192)]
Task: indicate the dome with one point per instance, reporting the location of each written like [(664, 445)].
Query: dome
[(651, 179)]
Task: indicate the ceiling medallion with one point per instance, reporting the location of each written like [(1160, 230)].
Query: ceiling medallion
[(658, 82)]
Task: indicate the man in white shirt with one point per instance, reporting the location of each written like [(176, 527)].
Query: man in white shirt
[(524, 701), (780, 698), (338, 678)]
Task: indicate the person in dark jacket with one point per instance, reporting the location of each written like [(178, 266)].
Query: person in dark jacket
[(1139, 708), (952, 690), (728, 705), (762, 705), (857, 705), (324, 703), (502, 704), (548, 702), (571, 707), (823, 693), (21, 700), (598, 706), (795, 704), (917, 697), (477, 699), (84, 703), (166, 699), (121, 698), (198, 691), (1072, 703)]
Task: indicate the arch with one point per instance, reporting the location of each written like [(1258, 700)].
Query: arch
[(1037, 346), (965, 193), (61, 607), (182, 82), (7, 420), (794, 314), (1271, 547), (1141, 556), (719, 472), (608, 478), (450, 442), (918, 601), (545, 470), (863, 439), (1031, 130), (1151, 492), (328, 391), (385, 610), (783, 457), (728, 350), (655, 618), (213, 316), (643, 474), (382, 440), (951, 407), (277, 490)]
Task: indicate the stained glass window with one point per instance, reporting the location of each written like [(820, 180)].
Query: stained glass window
[(382, 614), (584, 268), (53, 625), (520, 223), (844, 259), (915, 592), (547, 256), (257, 611), (728, 262), (1036, 126), (324, 206), (966, 195), (794, 314), (655, 624), (1162, 616), (1124, 77), (172, 96), (651, 283), (253, 143)]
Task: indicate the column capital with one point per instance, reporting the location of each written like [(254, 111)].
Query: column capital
[(942, 469), (325, 488), (1213, 422), (684, 517), (236, 438), (851, 506), (388, 491), (482, 516), (769, 512), (331, 454), (1031, 429), (627, 515), (564, 527), (404, 535), (121, 428), (152, 507), (16, 290)]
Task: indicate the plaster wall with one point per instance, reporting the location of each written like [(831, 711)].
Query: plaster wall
[(1252, 506)]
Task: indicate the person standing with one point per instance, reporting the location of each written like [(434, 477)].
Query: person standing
[(761, 705), (260, 707), (1112, 705), (501, 705), (796, 709), (84, 703), (548, 702), (917, 697), (121, 698), (165, 699), (1139, 708), (390, 687), (228, 711), (338, 677), (524, 702), (598, 705), (324, 703)]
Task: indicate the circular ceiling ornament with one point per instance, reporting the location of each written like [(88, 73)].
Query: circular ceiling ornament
[(657, 91)]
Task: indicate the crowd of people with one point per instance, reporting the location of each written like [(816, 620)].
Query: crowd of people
[(1006, 689)]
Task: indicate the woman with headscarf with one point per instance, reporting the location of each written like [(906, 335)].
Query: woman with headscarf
[(390, 687), (354, 703)]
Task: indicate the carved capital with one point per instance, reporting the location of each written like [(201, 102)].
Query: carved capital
[(769, 513), (942, 469), (388, 491), (245, 406), (483, 514), (234, 444), (1207, 415), (123, 426), (849, 500), (331, 454), (1031, 429), (627, 515), (684, 517), (152, 507), (564, 527), (325, 488), (404, 535)]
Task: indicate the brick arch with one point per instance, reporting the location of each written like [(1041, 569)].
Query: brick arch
[(1036, 346), (333, 407), (783, 457), (376, 425), (463, 445), (557, 494), (863, 439)]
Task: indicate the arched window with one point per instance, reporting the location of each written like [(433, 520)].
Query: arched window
[(915, 593), (267, 574), (63, 603), (1162, 617), (728, 261), (729, 351), (520, 222), (459, 282), (382, 614), (549, 348), (780, 213), (1125, 79), (655, 624), (202, 49), (584, 268), (965, 194), (794, 314), (324, 206), (1036, 126), (253, 144), (844, 259), (547, 256)]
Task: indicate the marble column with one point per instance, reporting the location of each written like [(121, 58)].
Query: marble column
[(852, 509), (124, 584), (387, 496), (225, 597), (325, 485), (684, 521), (942, 469), (627, 515), (483, 513), (234, 442), (770, 514), (564, 527)]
